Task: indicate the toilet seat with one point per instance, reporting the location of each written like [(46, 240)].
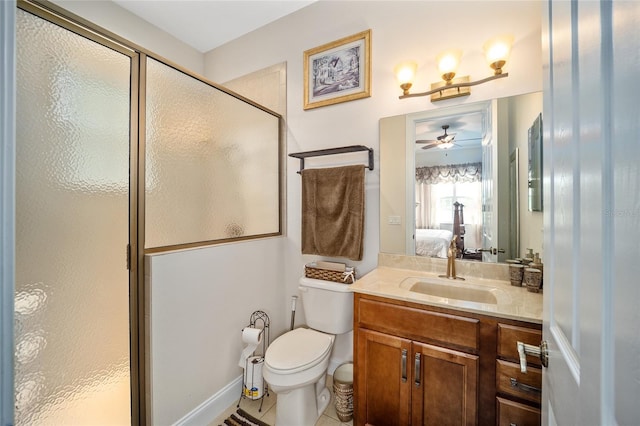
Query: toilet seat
[(298, 350)]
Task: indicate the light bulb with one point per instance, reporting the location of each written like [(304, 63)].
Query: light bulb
[(448, 64), (405, 73), (497, 52)]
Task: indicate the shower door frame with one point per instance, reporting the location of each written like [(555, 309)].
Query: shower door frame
[(7, 206)]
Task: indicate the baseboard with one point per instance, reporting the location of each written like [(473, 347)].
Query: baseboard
[(206, 412)]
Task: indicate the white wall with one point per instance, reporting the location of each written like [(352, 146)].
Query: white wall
[(204, 297), (200, 301)]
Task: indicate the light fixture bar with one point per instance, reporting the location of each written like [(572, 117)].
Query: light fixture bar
[(454, 86)]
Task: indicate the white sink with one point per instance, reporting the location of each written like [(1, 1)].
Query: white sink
[(438, 288)]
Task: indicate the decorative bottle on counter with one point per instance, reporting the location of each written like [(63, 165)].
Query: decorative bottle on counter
[(537, 264)]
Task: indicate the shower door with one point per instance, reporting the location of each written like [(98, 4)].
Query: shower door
[(72, 319)]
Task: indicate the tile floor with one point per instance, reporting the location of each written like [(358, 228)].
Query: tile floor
[(268, 413)]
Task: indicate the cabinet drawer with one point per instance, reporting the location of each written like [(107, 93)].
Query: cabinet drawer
[(511, 413), (418, 324), (510, 335), (510, 381)]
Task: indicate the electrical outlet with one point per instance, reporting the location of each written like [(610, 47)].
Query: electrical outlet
[(393, 220)]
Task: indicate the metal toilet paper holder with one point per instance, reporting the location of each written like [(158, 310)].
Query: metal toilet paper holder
[(258, 319)]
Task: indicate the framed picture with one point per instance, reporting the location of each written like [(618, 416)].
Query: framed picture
[(339, 71)]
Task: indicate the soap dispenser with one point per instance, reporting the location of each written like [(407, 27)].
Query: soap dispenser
[(537, 263), (528, 258), (536, 258)]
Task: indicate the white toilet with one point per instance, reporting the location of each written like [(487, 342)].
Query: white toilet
[(295, 365)]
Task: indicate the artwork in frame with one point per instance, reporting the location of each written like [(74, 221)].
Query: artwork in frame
[(339, 71)]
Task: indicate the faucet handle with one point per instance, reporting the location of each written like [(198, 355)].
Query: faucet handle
[(453, 248)]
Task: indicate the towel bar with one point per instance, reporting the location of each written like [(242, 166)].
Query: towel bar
[(332, 151)]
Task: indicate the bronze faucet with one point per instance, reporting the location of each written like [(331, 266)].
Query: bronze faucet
[(451, 261)]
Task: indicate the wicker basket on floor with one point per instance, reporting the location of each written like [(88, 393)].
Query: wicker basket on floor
[(328, 275), (343, 391)]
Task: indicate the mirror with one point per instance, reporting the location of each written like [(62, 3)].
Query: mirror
[(489, 151)]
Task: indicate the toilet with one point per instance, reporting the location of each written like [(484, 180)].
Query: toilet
[(295, 365)]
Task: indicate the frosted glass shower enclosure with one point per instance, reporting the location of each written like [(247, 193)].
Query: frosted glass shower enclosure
[(72, 360), (118, 155)]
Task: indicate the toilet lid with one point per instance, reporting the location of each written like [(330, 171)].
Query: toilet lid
[(298, 348)]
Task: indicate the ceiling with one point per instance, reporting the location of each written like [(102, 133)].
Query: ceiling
[(207, 24), (467, 128)]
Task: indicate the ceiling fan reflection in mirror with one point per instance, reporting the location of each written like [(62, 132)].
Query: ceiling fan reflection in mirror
[(444, 141)]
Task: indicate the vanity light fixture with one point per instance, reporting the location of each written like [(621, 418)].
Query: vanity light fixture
[(496, 52)]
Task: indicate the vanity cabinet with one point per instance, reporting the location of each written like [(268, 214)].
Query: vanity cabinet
[(422, 365), (433, 385)]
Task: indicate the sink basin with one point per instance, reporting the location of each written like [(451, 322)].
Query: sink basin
[(446, 290)]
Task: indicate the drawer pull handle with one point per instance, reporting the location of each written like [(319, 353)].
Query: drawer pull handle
[(523, 387), (541, 351), (417, 370), (404, 366)]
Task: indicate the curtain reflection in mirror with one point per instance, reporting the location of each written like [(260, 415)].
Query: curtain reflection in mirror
[(439, 187)]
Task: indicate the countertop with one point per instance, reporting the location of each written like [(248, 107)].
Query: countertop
[(512, 302)]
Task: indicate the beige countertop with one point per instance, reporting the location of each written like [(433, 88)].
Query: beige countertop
[(511, 302)]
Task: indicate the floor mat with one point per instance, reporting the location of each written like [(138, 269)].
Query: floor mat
[(242, 418)]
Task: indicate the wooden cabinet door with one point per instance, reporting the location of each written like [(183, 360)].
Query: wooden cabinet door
[(511, 413), (444, 390), (383, 379)]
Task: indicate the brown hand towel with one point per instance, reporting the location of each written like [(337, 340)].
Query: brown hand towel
[(333, 211)]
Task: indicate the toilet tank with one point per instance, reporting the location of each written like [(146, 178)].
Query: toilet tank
[(328, 306)]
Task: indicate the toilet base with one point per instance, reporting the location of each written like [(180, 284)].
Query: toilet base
[(302, 406)]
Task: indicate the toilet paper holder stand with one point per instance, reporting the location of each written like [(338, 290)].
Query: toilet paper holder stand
[(258, 319)]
